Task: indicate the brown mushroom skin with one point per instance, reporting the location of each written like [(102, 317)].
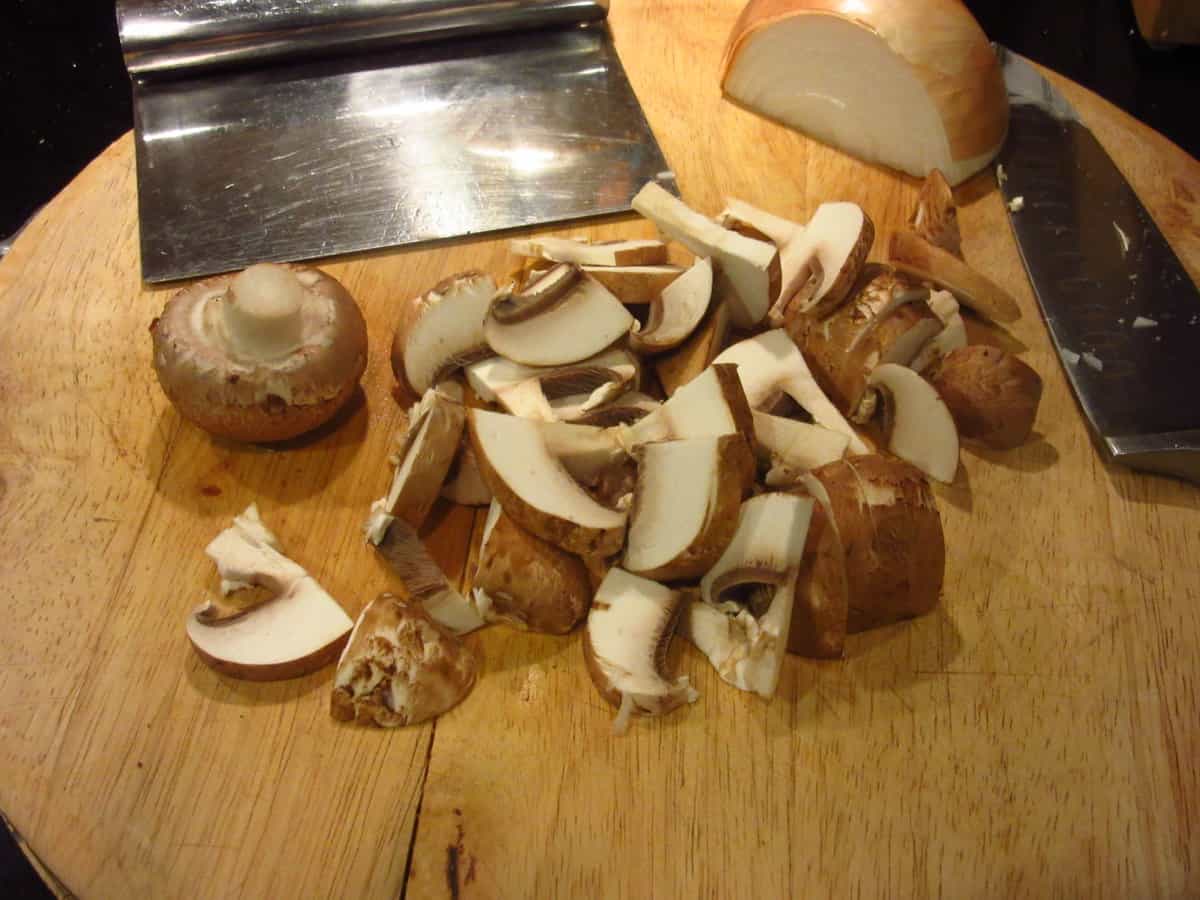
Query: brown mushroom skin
[(888, 522), (992, 395), (532, 584), (841, 367), (240, 404), (820, 613), (935, 217)]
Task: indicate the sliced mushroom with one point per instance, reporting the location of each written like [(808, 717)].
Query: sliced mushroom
[(435, 428), (464, 482), (538, 295), (629, 631), (711, 405), (918, 425), (524, 581), (425, 582), (264, 355), (739, 214), (992, 395), (581, 324), (743, 617), (677, 311), (886, 320), (693, 356), (913, 254), (593, 253), (750, 268), (535, 489), (801, 271), (529, 391), (400, 667), (785, 444), (936, 217), (889, 527), (839, 237), (634, 285), (770, 365), (441, 331), (297, 630), (685, 506)]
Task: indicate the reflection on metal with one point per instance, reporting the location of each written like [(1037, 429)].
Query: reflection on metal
[(1098, 264), (312, 157)]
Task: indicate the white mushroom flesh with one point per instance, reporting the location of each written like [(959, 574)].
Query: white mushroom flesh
[(745, 263), (771, 364), (582, 324), (922, 429), (449, 332), (678, 486), (628, 628), (517, 452)]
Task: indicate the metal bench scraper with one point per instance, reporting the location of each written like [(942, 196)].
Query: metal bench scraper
[(276, 130)]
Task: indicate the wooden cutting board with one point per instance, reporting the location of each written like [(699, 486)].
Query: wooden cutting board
[(1037, 735)]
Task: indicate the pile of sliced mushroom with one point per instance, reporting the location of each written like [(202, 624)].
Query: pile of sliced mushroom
[(647, 474)]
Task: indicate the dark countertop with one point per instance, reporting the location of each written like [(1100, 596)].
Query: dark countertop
[(65, 95)]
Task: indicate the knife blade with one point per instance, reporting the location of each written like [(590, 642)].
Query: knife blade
[(1121, 310)]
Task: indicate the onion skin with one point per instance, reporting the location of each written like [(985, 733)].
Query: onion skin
[(941, 41)]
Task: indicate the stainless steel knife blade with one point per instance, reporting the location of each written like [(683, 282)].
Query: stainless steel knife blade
[(1122, 312)]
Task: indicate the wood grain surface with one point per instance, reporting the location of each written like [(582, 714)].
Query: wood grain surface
[(1038, 735)]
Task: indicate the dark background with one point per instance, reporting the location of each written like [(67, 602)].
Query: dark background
[(64, 97)]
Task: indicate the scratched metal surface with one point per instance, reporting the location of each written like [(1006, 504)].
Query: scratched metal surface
[(1098, 264), (314, 158), (172, 36)]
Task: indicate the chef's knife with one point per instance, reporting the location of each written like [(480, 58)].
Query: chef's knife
[(1122, 312)]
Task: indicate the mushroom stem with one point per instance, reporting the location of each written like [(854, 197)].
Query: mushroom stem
[(262, 312)]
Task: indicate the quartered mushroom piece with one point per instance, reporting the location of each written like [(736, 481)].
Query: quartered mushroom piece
[(769, 366), (400, 667), (917, 423), (542, 291), (685, 506), (579, 323), (742, 620), (535, 489), (441, 330), (289, 628), (629, 631), (749, 267), (676, 312), (526, 582), (426, 452)]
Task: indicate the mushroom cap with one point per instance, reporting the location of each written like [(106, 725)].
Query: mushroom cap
[(234, 395)]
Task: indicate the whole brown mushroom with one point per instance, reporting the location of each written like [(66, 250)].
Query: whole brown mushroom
[(264, 355)]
